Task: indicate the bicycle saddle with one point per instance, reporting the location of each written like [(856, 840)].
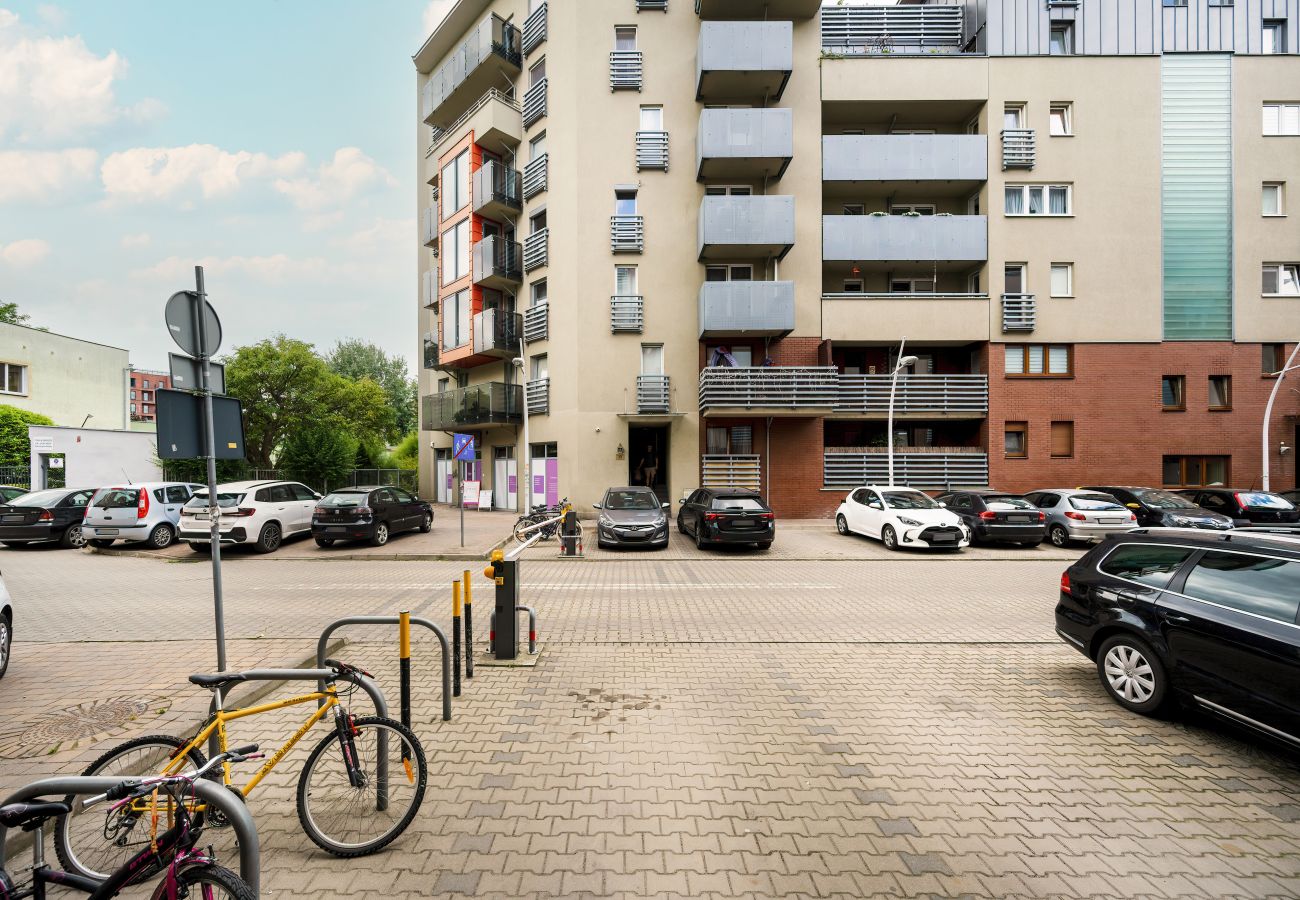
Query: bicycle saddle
[(218, 680), (18, 814)]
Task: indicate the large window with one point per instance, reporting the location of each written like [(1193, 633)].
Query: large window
[(456, 320), (1173, 393), (13, 379), (1281, 279), (455, 252), (625, 202), (1147, 564), (1259, 585), (1038, 200), (1196, 471), (454, 184), (1040, 360), (1281, 118)]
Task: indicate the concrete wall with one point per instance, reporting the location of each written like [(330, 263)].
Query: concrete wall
[(67, 378), (94, 457)]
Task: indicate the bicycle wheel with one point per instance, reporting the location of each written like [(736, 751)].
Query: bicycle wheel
[(211, 882), (346, 820), (82, 841), (520, 524)]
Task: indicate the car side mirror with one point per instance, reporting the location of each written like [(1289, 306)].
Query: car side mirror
[(944, 505), (667, 506), (315, 495), (596, 506)]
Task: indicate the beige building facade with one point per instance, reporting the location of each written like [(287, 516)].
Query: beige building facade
[(72, 381)]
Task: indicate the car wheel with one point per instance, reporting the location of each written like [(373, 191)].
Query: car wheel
[(426, 524), (100, 542), (162, 536), (889, 538), (841, 525), (6, 642), (700, 542), (324, 542), (269, 540), (380, 537), (200, 548), (73, 537), (1132, 674), (1059, 536)]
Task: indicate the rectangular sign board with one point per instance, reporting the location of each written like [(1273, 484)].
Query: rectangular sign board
[(180, 426), (186, 375), (462, 447)]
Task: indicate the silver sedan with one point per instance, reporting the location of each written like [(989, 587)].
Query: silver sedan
[(1081, 515)]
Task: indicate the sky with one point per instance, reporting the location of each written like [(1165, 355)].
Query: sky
[(271, 141)]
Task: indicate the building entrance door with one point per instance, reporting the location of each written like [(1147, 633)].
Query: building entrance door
[(442, 476), (647, 458), (505, 478)]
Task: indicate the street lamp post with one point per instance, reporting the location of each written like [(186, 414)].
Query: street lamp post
[(525, 504), (903, 363), (1268, 411)]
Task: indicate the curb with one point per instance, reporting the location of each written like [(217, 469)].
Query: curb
[(332, 557)]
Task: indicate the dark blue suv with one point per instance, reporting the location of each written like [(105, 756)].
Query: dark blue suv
[(1210, 618)]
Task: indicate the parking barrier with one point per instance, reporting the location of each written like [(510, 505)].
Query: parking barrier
[(455, 638), (469, 626), (396, 620), (504, 571), (532, 628)]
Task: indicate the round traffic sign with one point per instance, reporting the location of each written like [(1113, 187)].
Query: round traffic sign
[(182, 324)]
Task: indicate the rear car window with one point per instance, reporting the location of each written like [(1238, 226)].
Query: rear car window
[(1149, 564), (117, 498), (1261, 585), (1260, 500), (350, 500), (1005, 503), (177, 494), (224, 500), (743, 503), (40, 498), (1094, 502)]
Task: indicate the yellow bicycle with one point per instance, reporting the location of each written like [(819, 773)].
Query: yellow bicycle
[(360, 788)]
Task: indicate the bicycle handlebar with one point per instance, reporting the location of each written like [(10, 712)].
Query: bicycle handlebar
[(136, 785)]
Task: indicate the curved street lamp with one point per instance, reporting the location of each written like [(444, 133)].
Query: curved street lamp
[(903, 363)]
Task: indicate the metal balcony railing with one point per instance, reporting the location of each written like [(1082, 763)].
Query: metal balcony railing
[(626, 234), (731, 471), (429, 226), (497, 332), (448, 87), (625, 70), (537, 249), (535, 103), (430, 350), (536, 322), (1018, 312), (538, 392), (653, 394), (652, 150), (534, 32), (661, 5), (496, 258), (429, 292), (535, 177), (768, 387), (883, 30), (919, 467), (498, 189), (938, 395), (626, 313), (491, 403), (1017, 148)]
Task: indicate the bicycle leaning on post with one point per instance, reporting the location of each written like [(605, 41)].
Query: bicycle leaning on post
[(351, 800), (531, 522)]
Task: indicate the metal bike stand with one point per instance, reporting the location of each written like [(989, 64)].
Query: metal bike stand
[(532, 628), (396, 620), (210, 792)]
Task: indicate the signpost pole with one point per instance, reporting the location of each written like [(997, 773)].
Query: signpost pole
[(460, 498), (210, 451)]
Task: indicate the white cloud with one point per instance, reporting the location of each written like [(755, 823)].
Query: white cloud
[(384, 236), (51, 15), (130, 241), (24, 253), (43, 175), (277, 268), (336, 182), (434, 13), (186, 173)]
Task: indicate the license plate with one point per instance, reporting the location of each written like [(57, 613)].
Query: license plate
[(103, 531), (1111, 521), (335, 529), (742, 523), (1018, 520), (203, 516), (944, 538), (11, 519)]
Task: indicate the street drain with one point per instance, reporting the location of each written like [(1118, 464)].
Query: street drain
[(65, 729)]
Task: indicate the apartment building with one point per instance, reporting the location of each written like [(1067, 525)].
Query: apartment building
[(73, 381), (709, 229), (144, 398)]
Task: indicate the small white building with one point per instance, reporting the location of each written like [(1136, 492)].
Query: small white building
[(72, 381), (93, 457)]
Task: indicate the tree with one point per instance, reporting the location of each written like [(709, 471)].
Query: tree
[(355, 359), (406, 455), (318, 456), (10, 315), (15, 448)]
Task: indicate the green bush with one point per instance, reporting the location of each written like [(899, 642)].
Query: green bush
[(318, 457), (406, 455), (15, 448)]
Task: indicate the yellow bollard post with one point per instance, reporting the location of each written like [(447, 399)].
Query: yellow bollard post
[(469, 626)]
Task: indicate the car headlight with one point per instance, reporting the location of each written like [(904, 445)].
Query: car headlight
[(906, 521), (1178, 521), (606, 521)]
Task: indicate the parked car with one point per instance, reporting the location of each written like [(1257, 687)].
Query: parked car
[(9, 492), (996, 516), (1212, 619), (1076, 514), (138, 512), (727, 516), (50, 515), (632, 516), (261, 513), (372, 514), (1157, 508), (1245, 507), (900, 517), (6, 627)]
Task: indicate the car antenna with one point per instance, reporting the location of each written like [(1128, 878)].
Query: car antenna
[(124, 475)]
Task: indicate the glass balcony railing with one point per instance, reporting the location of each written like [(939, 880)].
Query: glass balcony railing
[(479, 405)]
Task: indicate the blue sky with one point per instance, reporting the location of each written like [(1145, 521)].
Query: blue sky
[(272, 141)]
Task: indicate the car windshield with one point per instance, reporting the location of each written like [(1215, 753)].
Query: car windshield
[(1260, 500), (1095, 502), (350, 500), (1164, 500), (909, 500), (117, 498), (1005, 503), (631, 500), (224, 500), (740, 503), (40, 498)]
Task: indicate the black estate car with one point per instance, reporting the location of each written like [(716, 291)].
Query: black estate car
[(998, 516), (1245, 507), (50, 515), (368, 514), (727, 516), (1157, 508), (1212, 618)]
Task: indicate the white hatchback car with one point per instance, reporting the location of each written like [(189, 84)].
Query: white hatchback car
[(261, 513), (147, 512), (900, 517)]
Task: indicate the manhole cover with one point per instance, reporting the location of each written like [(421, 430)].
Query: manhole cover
[(65, 729)]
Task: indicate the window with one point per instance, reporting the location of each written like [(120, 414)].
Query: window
[(742, 272), (454, 184), (742, 357), (1062, 279), (1195, 471), (1060, 119), (652, 118), (1040, 360), (1282, 279), (133, 397), (625, 202), (1015, 439), (1274, 36), (1273, 204), (455, 252), (853, 286), (537, 222), (1013, 116), (537, 146), (13, 379), (911, 286), (146, 384), (1259, 585), (902, 209), (1175, 2), (1272, 358), (537, 73), (625, 281), (1152, 565), (1013, 278), (723, 190), (1061, 40), (456, 320), (132, 409), (1281, 118), (177, 493), (855, 209), (1173, 392), (1220, 392), (1037, 200), (1062, 439), (625, 38), (652, 359), (538, 368), (538, 289)]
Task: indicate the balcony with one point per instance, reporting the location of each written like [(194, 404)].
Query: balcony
[(538, 392), (918, 467), (917, 397), (660, 5), (498, 191), (743, 61), (497, 333), (429, 226), (476, 407), (750, 144), (849, 159), (626, 313), (495, 120), (430, 347), (535, 174), (940, 316), (746, 308), (537, 249), (1019, 312), (534, 107), (626, 234), (652, 150), (891, 30), (489, 54), (768, 391), (653, 394), (496, 263), (429, 288), (731, 471), (757, 9), (534, 33), (536, 322), (739, 227), (625, 70), (1017, 148), (883, 238)]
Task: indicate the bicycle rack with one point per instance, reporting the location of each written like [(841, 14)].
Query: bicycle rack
[(210, 792), (395, 620)]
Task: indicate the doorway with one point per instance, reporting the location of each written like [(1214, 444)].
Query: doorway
[(647, 458)]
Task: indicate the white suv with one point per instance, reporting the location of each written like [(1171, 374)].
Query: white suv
[(136, 512), (261, 513)]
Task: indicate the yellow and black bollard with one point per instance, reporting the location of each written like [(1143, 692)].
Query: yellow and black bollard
[(455, 638), (404, 675), (469, 626)]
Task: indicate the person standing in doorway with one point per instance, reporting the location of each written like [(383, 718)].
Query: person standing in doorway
[(649, 466)]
